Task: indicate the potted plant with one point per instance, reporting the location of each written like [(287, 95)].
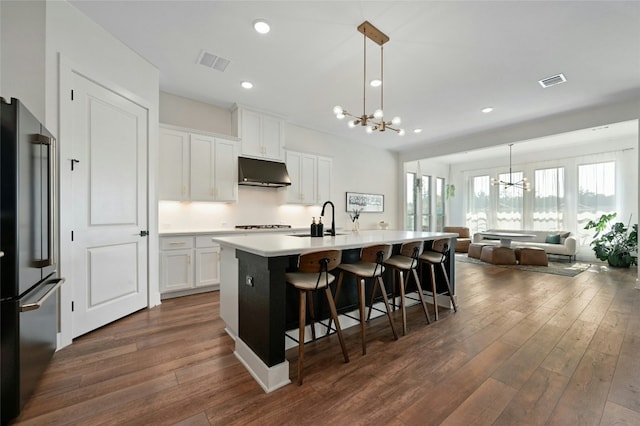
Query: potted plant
[(618, 245)]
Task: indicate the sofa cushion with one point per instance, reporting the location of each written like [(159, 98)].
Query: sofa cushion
[(552, 239)]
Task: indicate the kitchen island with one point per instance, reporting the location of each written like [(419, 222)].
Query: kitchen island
[(253, 289)]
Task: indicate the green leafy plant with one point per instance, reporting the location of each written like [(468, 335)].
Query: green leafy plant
[(616, 243)]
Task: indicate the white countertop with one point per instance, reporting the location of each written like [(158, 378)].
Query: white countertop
[(279, 244), (229, 231)]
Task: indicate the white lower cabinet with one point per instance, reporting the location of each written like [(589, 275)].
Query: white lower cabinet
[(188, 265)]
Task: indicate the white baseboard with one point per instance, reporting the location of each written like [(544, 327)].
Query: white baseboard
[(269, 378)]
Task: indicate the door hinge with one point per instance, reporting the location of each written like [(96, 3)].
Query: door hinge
[(71, 94), (73, 306)]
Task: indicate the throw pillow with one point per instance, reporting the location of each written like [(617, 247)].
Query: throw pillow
[(552, 239)]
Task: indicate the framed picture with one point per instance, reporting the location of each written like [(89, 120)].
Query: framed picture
[(365, 202)]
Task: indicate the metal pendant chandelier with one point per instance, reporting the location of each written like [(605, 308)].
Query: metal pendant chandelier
[(521, 184), (371, 122)]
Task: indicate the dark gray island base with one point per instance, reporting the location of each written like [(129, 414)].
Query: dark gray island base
[(261, 298)]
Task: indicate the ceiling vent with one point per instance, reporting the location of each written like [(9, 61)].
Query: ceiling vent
[(552, 81), (213, 61)]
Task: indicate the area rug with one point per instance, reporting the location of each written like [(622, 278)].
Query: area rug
[(567, 269)]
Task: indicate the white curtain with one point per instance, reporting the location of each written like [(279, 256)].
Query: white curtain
[(548, 200)]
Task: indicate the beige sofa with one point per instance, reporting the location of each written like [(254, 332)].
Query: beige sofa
[(464, 237), (567, 245)]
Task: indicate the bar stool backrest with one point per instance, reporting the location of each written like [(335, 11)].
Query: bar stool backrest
[(319, 261), (441, 245), (375, 254), (412, 249)]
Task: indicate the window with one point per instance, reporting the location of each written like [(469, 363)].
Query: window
[(411, 202), (510, 202), (440, 188), (596, 194), (548, 200), (479, 203), (425, 202)]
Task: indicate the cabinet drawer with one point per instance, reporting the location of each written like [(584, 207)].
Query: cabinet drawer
[(174, 243), (205, 241)]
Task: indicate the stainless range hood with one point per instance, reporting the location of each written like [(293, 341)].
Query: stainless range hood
[(255, 172)]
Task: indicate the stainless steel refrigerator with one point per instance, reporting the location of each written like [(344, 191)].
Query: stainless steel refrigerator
[(28, 277)]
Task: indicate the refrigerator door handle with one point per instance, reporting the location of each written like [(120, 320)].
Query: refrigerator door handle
[(48, 288), (49, 143)]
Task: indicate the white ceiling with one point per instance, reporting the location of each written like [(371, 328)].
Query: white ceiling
[(445, 61)]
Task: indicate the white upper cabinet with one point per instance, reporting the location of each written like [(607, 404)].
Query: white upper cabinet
[(197, 167), (173, 178), (323, 182), (310, 178), (262, 134)]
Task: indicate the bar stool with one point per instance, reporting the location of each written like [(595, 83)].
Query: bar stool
[(370, 265), (438, 255), (404, 263), (313, 274)]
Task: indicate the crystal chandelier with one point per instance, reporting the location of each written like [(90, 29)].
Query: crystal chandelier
[(371, 122), (521, 184)]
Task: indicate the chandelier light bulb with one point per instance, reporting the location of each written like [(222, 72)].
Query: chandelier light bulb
[(401, 132), (351, 124), (340, 116), (396, 120), (378, 114), (369, 129), (337, 110)]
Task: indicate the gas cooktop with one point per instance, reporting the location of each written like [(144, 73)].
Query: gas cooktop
[(262, 226)]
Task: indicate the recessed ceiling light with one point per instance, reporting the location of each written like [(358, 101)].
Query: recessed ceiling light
[(247, 84), (417, 130), (487, 110), (261, 26), (375, 83)]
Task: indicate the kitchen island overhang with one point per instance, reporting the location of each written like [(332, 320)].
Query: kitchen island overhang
[(253, 290)]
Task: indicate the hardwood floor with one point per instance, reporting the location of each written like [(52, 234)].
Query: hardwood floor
[(524, 348)]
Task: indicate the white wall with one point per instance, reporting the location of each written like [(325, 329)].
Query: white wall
[(22, 47), (356, 168), (184, 112)]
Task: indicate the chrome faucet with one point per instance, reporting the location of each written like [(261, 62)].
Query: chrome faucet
[(333, 216)]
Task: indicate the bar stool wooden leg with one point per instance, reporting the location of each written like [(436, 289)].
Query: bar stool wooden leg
[(334, 315), (362, 318), (446, 279), (335, 299), (301, 325), (312, 321), (432, 270), (386, 303), (421, 296), (403, 308)]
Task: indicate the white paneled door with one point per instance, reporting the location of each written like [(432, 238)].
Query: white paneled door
[(109, 181)]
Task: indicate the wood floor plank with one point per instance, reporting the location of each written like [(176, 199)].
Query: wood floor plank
[(618, 415), (564, 358), (174, 364), (517, 369), (625, 389), (483, 406), (584, 398), (535, 400)]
